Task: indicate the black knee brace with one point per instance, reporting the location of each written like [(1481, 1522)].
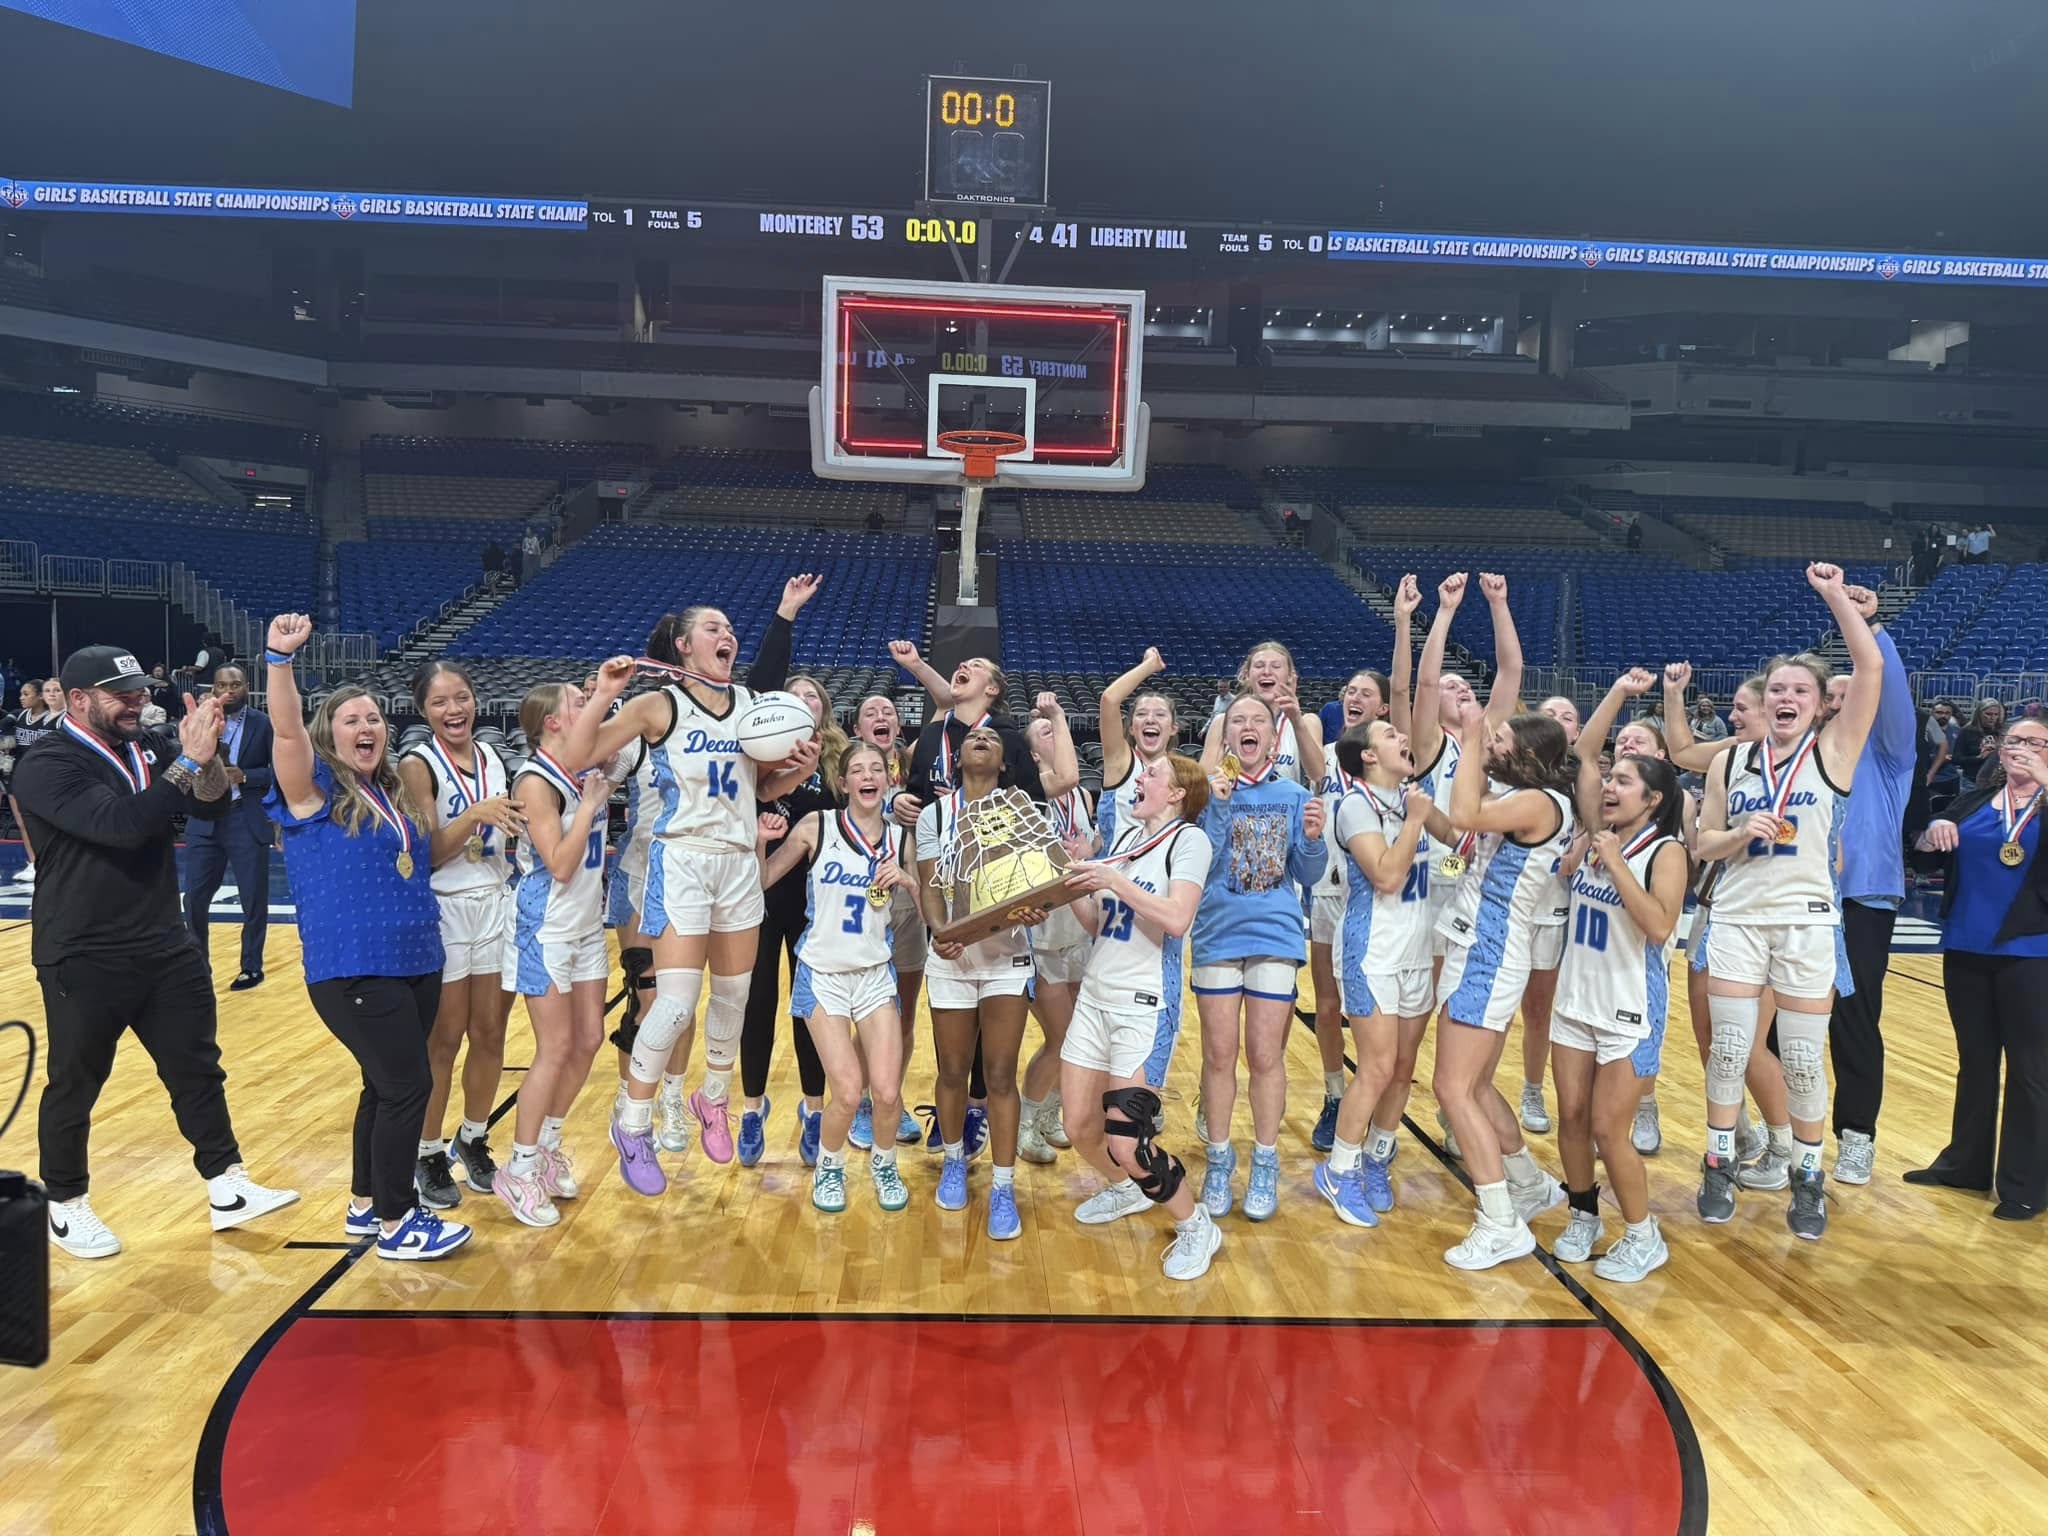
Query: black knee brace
[(638, 964), (1130, 1112)]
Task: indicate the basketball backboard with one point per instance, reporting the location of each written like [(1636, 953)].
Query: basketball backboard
[(904, 361)]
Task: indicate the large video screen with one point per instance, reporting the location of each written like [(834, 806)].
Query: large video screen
[(304, 46)]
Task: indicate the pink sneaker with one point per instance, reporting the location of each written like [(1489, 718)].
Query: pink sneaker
[(558, 1174), (525, 1197), (717, 1138)]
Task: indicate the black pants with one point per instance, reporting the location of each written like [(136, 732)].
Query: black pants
[(211, 849), (384, 1021), (780, 929), (168, 1001), (1999, 1006), (1856, 1033)]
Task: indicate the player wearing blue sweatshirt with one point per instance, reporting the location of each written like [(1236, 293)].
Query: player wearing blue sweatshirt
[(1267, 832)]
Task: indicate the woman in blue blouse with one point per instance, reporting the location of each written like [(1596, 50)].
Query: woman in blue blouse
[(1995, 970), (355, 846)]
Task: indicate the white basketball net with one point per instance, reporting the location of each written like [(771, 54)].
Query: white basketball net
[(1001, 823)]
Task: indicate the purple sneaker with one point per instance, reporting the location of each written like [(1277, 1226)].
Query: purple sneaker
[(717, 1138), (638, 1165)]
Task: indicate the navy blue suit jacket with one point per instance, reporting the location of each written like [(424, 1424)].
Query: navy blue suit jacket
[(253, 758)]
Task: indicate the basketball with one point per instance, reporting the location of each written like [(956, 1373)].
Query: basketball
[(770, 727)]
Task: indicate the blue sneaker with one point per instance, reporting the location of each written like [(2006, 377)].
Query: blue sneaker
[(929, 1135), (1379, 1183), (1324, 1136), (753, 1134), (361, 1223), (1216, 1184), (862, 1132), (976, 1132), (908, 1130), (809, 1122), (1262, 1194), (1344, 1191), (952, 1195), (423, 1235), (1003, 1221)]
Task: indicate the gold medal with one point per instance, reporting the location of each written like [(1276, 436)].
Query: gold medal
[(404, 866), (1787, 834), (1232, 764), (2012, 855), (878, 895), (473, 850), (1450, 866)]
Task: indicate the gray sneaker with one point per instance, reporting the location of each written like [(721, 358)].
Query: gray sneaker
[(1575, 1244), (1807, 1215), (1717, 1191), (1751, 1141), (434, 1178), (1771, 1171), (1853, 1158), (1262, 1191), (1535, 1113), (1646, 1134), (1634, 1256)]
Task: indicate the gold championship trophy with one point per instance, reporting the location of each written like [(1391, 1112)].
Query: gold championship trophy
[(1002, 861)]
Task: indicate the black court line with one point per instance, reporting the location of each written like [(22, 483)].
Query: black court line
[(538, 1315), (1922, 980), (344, 1247), (1692, 1463)]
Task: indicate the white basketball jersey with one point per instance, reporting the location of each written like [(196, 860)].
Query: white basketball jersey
[(1767, 884), (1337, 878), (842, 931), (546, 909), (1133, 964), (643, 806), (1287, 754), (1510, 884), (1437, 781), (1612, 977), (1383, 931), (455, 791), (705, 784), (1061, 929)]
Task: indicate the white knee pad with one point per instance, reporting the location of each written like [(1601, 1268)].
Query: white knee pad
[(674, 1006), (724, 1017), (1802, 1041), (1734, 1036)]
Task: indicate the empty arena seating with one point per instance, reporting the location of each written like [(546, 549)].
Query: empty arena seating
[(494, 498), (92, 467), (1532, 588), (1199, 482), (1470, 513), (1090, 608), (1763, 529), (2002, 631), (569, 463), (117, 424), (1943, 614), (1647, 616), (606, 593), (761, 485), (1081, 515), (389, 584)]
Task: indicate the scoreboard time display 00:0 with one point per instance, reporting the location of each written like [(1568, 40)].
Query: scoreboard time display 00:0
[(985, 140)]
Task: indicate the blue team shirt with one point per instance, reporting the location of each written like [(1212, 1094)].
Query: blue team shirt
[(357, 915), (1873, 868), (1251, 906), (1985, 888)]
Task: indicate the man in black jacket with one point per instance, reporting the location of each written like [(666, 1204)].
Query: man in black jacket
[(242, 837), (110, 947)]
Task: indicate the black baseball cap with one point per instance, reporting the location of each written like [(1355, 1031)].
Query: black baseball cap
[(103, 666)]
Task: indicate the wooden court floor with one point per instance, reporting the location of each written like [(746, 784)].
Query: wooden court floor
[(728, 1354)]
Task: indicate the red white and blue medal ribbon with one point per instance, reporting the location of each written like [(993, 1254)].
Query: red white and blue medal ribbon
[(1778, 785), (681, 674), (1264, 776), (565, 782), (1634, 846), (878, 894), (946, 744), (1128, 855), (469, 794), (2014, 827), (381, 804), (135, 771)]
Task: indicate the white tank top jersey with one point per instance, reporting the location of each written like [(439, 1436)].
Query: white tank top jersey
[(1337, 878), (1612, 977), (1133, 964), (1062, 929), (1436, 780), (1287, 755), (1384, 931), (455, 791), (704, 783), (997, 954), (546, 909), (643, 805), (842, 931), (1511, 884), (1765, 885)]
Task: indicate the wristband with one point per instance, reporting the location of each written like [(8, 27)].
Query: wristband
[(187, 763), (277, 658)]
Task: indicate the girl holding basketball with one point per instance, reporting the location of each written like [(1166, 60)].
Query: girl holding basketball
[(1137, 903), (460, 786), (703, 904), (1773, 814), (556, 957), (843, 982)]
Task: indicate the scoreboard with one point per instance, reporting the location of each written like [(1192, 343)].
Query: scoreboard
[(986, 141)]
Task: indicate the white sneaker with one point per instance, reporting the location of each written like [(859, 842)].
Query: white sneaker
[(1854, 1157), (1110, 1203), (1487, 1245), (1647, 1134), (1450, 1143), (75, 1229), (1193, 1247), (1633, 1257), (1772, 1170), (1752, 1141), (1050, 1122), (1535, 1113), (671, 1120), (1574, 1245), (1532, 1200), (26, 875), (234, 1198), (1201, 1121), (1031, 1143)]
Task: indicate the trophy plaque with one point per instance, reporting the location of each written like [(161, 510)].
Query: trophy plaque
[(1002, 861)]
